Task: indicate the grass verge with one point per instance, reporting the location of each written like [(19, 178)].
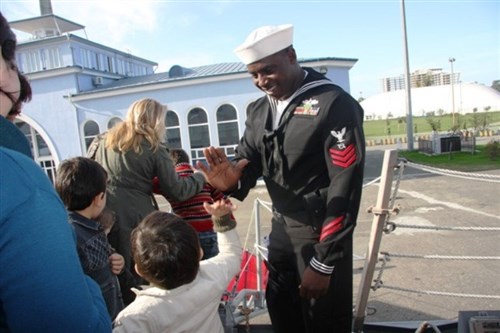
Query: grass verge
[(458, 160)]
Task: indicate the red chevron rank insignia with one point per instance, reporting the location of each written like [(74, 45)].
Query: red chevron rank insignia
[(345, 157)]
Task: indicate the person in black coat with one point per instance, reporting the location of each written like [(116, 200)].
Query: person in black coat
[(305, 138)]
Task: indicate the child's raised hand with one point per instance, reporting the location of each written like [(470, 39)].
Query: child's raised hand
[(220, 207), (117, 263)]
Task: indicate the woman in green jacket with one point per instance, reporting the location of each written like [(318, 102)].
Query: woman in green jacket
[(133, 152)]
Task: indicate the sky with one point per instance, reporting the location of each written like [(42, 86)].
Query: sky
[(196, 33)]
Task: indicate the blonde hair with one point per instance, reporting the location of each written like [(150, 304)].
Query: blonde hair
[(145, 121)]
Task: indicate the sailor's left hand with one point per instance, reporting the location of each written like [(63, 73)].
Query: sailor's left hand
[(314, 285)]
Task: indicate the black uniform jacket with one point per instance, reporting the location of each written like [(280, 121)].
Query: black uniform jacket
[(317, 150)]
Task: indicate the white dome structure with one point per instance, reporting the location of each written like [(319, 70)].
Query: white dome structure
[(468, 96)]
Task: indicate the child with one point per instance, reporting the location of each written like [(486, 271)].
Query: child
[(186, 292), (192, 210), (126, 280), (81, 184)]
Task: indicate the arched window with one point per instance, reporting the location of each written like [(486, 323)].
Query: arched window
[(113, 121), (173, 130), (199, 137), (40, 149), (227, 128), (90, 130)]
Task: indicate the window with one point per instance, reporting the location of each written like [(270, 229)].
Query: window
[(199, 137), (119, 66), (27, 131), (227, 128), (113, 121), (90, 131), (20, 60), (54, 58), (102, 62), (42, 149), (41, 152), (93, 59), (85, 56), (89, 59), (111, 64), (43, 58), (33, 62), (173, 135)]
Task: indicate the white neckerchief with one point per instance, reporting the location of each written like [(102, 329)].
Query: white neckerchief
[(281, 106)]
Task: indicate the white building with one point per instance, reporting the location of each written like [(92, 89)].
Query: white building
[(420, 78), (81, 88), (467, 98)]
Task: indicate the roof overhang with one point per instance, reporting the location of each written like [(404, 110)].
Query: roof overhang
[(50, 21)]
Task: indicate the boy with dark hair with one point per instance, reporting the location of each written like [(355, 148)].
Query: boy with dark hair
[(81, 184), (186, 292)]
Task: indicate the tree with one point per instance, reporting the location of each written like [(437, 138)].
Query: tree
[(434, 123), (496, 85), (485, 121), (388, 124), (476, 121), (480, 121), (427, 80), (401, 120)]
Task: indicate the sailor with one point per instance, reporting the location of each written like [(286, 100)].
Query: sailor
[(305, 138)]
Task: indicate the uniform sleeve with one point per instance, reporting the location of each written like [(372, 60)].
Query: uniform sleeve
[(344, 153), (42, 285), (249, 149), (173, 186)]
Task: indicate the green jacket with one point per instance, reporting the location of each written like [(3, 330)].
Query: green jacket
[(130, 186)]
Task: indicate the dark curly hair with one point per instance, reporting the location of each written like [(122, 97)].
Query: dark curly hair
[(8, 45), (166, 250)]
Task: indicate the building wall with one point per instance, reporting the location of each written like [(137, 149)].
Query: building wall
[(54, 114), (63, 118), (67, 99)]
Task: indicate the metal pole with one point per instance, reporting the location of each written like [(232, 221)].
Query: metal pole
[(409, 117), (452, 60), (258, 255), (380, 211)]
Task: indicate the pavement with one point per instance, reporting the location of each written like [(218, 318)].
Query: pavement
[(414, 287)]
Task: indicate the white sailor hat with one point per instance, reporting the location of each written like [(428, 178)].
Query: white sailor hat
[(264, 41)]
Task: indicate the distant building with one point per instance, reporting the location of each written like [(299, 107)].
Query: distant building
[(420, 78), (82, 88), (468, 97)]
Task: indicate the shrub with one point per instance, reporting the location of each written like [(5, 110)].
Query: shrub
[(493, 150)]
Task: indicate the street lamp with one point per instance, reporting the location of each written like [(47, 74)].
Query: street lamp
[(409, 116), (452, 60)]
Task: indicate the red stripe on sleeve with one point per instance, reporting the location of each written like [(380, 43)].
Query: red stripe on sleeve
[(343, 158), (332, 227)]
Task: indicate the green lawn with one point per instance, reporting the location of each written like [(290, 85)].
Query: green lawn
[(397, 126), (460, 161)]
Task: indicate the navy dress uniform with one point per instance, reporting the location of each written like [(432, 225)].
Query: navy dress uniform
[(310, 151)]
